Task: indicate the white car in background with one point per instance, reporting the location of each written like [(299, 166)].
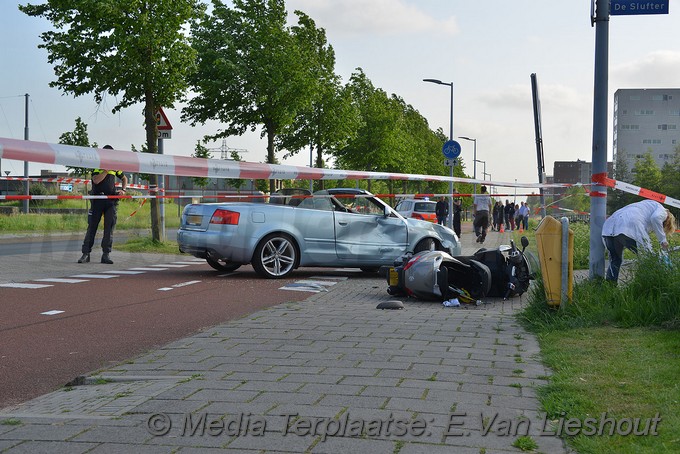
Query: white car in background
[(423, 209)]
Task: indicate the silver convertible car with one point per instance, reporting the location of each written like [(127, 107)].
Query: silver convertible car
[(333, 228)]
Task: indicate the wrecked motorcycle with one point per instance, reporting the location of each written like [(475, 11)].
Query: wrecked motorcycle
[(436, 275)]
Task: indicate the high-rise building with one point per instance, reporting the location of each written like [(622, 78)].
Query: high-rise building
[(646, 119)]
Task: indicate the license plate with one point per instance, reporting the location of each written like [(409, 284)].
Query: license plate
[(194, 219), (394, 277)]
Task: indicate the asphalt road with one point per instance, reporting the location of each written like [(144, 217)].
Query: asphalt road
[(107, 320)]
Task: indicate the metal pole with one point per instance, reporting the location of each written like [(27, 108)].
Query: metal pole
[(565, 262), (598, 194), (161, 191), (450, 84), (311, 164), (474, 165), (451, 168), (26, 183)]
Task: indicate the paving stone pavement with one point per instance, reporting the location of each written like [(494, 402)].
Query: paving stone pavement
[(330, 374)]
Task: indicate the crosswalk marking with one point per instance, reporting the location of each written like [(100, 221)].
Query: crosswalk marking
[(95, 276), (61, 280), (122, 272), (24, 285), (177, 265), (148, 269)]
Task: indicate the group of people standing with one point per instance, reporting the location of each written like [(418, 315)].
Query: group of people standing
[(511, 216), (442, 212)]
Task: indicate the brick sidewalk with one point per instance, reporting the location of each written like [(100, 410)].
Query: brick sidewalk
[(308, 377)]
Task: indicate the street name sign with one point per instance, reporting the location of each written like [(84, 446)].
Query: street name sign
[(635, 7)]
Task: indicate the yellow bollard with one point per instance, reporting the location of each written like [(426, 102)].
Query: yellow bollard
[(549, 244)]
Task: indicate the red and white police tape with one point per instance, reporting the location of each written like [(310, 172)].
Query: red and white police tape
[(603, 180), (128, 161)]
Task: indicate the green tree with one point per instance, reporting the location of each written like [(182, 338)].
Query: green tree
[(670, 176), (647, 173), (251, 71), (371, 148), (77, 137), (135, 50), (201, 151), (622, 172), (235, 182), (392, 137), (330, 120)]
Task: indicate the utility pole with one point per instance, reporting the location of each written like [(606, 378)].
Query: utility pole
[(26, 183), (598, 194)]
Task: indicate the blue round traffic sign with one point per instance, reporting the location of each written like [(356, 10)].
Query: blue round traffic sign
[(451, 149)]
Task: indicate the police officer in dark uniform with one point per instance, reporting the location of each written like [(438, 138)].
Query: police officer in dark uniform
[(103, 183)]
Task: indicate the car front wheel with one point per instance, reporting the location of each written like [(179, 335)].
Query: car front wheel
[(275, 257), (223, 265), (425, 245)]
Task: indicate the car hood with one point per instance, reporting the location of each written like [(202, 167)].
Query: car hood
[(419, 224)]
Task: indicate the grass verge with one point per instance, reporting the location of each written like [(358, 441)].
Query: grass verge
[(146, 244), (614, 353)]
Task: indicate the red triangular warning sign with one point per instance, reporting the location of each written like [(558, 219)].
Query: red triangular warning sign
[(162, 120)]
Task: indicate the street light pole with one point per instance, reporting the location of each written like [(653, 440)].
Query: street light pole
[(450, 84), (483, 162), (474, 160)]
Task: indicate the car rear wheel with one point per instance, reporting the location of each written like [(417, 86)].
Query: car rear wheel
[(276, 256), (425, 245), (223, 265)]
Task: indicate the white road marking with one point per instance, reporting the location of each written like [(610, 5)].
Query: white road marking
[(148, 269), (181, 284), (122, 272), (60, 280), (172, 266), (302, 287), (52, 312), (334, 278), (309, 281), (190, 263), (95, 276), (24, 285)]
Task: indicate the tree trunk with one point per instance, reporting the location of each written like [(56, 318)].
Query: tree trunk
[(152, 147), (271, 157)]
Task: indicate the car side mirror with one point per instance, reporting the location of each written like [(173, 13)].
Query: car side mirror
[(386, 211)]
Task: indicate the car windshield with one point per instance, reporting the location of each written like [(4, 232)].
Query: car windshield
[(425, 207), (360, 204)]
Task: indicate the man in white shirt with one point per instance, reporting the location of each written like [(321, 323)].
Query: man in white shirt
[(481, 206)]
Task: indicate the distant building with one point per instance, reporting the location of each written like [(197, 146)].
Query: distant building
[(578, 171), (646, 120)]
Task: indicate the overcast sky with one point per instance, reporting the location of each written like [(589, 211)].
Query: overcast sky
[(488, 49)]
